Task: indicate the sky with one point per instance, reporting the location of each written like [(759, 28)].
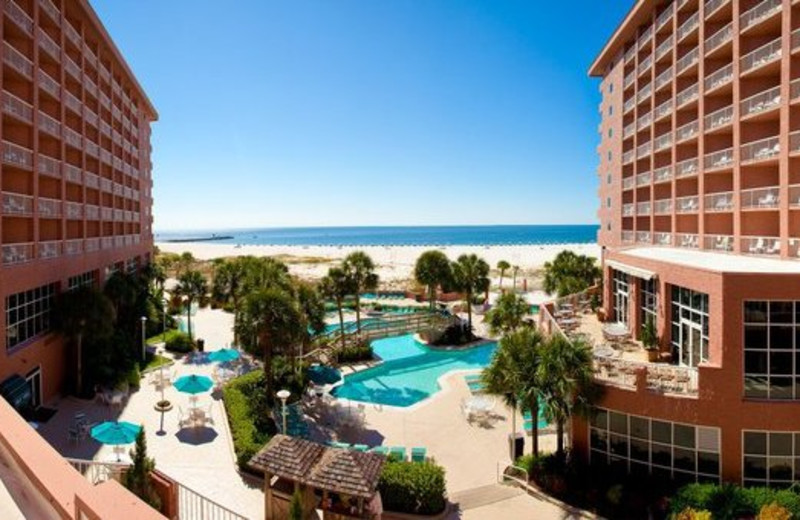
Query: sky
[(278, 113)]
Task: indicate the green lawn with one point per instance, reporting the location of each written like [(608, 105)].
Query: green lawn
[(158, 338), (155, 362)]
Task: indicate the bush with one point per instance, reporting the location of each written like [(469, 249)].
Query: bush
[(730, 501), (774, 512), (247, 415), (354, 353), (691, 514), (133, 377), (413, 487), (456, 334), (180, 343)]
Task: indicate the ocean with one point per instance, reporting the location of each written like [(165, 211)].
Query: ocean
[(394, 235)]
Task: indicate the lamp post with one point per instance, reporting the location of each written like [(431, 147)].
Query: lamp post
[(283, 395), (144, 320), (164, 321)]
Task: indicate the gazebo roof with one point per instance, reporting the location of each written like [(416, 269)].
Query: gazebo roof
[(312, 464)]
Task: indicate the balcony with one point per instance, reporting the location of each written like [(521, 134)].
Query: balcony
[(628, 183), (73, 247), (49, 166), (761, 102), (761, 150), (719, 38), (628, 210), (644, 150), (17, 61), (664, 48), (72, 35), (719, 202), (16, 204), (795, 40), (50, 249), (665, 78), (689, 26), (50, 10), (74, 210), (48, 84), (47, 44), (686, 168), (687, 95), (104, 101), (90, 86), (92, 149), (794, 90), (662, 142), (643, 179), (92, 244), (643, 237), (662, 239), (794, 196), (90, 117), (72, 102), (719, 118), (665, 16), (770, 246), (642, 209), (719, 78), (644, 66), (72, 68), (89, 55), (759, 13), (73, 138), (662, 207), (628, 131), (644, 93), (663, 174), (105, 185), (664, 109), (106, 242), (16, 155), (794, 142), (17, 15), (712, 5), (92, 213), (688, 204), (687, 240), (72, 173), (689, 59), (105, 75), (49, 208), (686, 132), (16, 107), (49, 125), (762, 56), (17, 253), (760, 198), (644, 121), (718, 160), (645, 37), (629, 79), (719, 243)]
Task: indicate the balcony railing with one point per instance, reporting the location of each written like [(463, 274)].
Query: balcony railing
[(49, 208), (663, 142), (105, 185), (73, 247), (628, 131), (629, 79), (719, 77), (795, 40), (49, 166), (643, 237), (51, 10), (18, 108), (761, 102), (794, 89), (92, 244), (687, 240), (642, 208), (17, 15), (645, 37), (794, 141), (91, 88), (72, 68), (49, 125), (759, 13), (72, 173), (719, 38), (662, 174), (105, 75), (689, 59), (17, 156), (91, 57), (687, 131), (794, 195), (73, 138), (106, 242), (92, 212), (628, 210), (713, 5), (662, 207), (686, 168), (72, 35), (644, 121), (72, 102), (17, 253), (688, 204), (665, 78), (761, 245), (50, 249), (719, 118), (722, 243), (644, 150), (47, 44), (688, 26), (687, 95), (719, 202), (718, 160), (630, 53), (48, 84), (644, 93), (91, 148), (664, 109), (644, 66), (643, 179), (664, 47), (658, 377), (628, 105), (760, 150), (17, 61), (16, 204), (762, 56), (628, 183), (74, 210), (665, 16), (92, 181), (761, 198), (662, 239)]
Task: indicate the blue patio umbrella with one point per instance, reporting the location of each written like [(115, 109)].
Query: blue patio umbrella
[(193, 384), (224, 355), (115, 432)]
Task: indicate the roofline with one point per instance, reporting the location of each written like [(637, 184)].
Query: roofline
[(98, 25), (616, 41)]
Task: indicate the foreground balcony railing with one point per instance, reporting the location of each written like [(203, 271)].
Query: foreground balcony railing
[(16, 155), (687, 95), (628, 210), (686, 168), (718, 160), (688, 204), (644, 150), (687, 240), (719, 202), (662, 239), (760, 198), (762, 56), (664, 109), (644, 93), (17, 204), (719, 38), (761, 150), (720, 243), (657, 377), (644, 121), (628, 183), (759, 13), (663, 174), (761, 245), (761, 102), (712, 5), (643, 208), (794, 195), (664, 47), (17, 253), (51, 249), (643, 179), (643, 237), (688, 26), (691, 58), (662, 207), (644, 66), (627, 237), (663, 142), (665, 16), (719, 118), (665, 78), (686, 132), (17, 107), (719, 78)]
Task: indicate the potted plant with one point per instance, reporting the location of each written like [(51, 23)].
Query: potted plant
[(650, 340)]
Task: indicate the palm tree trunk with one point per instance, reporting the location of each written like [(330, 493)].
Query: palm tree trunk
[(235, 319), (268, 375), (341, 320), (189, 318), (469, 310), (431, 296), (534, 406), (501, 281), (79, 375), (560, 439), (358, 312)]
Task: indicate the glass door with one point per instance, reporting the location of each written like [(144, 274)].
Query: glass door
[(690, 347), (621, 307)]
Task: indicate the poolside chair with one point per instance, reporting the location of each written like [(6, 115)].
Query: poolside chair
[(398, 453), (380, 450), (359, 447), (419, 454), (340, 445)]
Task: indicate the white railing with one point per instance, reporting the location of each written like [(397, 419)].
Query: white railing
[(722, 243), (689, 204), (627, 237), (686, 168), (629, 79), (644, 93), (794, 141), (71, 67), (645, 37), (643, 237), (17, 155), (628, 131), (719, 78), (795, 39), (761, 245), (662, 239), (72, 173), (49, 208), (665, 16), (73, 247), (663, 141), (759, 13), (630, 53), (50, 249), (49, 125), (689, 59), (760, 198), (664, 78), (662, 174), (73, 210), (17, 60), (643, 179), (664, 109), (720, 37), (719, 118), (687, 131), (627, 157), (664, 47), (761, 56), (760, 150), (644, 66), (72, 102), (761, 102), (644, 150), (658, 377), (17, 107), (629, 104), (628, 183), (48, 84), (19, 16), (97, 472), (687, 95), (644, 121), (92, 244), (48, 45), (16, 204), (713, 5), (794, 195), (662, 207), (49, 166), (687, 240), (688, 26), (642, 208), (719, 202), (92, 212), (17, 253), (717, 160), (193, 505), (628, 210), (794, 89)]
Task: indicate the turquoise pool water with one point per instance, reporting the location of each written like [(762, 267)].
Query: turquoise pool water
[(409, 371)]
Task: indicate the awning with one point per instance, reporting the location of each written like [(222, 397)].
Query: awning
[(644, 274), (17, 392)]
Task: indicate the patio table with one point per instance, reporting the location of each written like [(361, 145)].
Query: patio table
[(605, 351), (615, 331)]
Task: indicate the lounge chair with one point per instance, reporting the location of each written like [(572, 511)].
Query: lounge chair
[(419, 454), (381, 450), (340, 445), (359, 447), (398, 453)]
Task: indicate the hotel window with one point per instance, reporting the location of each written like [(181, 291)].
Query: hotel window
[(771, 341), (608, 202), (649, 300), (28, 314), (610, 88), (770, 458), (610, 133), (645, 446), (689, 315), (608, 179), (620, 289), (609, 156), (611, 110), (82, 280)]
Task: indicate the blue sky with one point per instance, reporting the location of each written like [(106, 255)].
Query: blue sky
[(370, 112)]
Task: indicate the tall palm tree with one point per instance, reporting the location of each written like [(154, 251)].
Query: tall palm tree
[(566, 376), (514, 271), (433, 270), (274, 319), (312, 308), (229, 284), (503, 266), (471, 276), (84, 313), (507, 313), (337, 285), (570, 273), (192, 286), (361, 270)]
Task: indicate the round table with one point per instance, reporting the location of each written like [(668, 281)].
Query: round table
[(616, 331)]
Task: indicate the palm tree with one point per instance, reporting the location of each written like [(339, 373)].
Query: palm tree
[(514, 271), (273, 318), (503, 266), (84, 313), (361, 270), (566, 376), (229, 284), (312, 307), (192, 286), (433, 270), (471, 276), (507, 314), (569, 273), (337, 285)]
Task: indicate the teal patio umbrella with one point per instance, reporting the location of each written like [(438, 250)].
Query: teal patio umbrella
[(224, 355), (115, 433), (193, 384)]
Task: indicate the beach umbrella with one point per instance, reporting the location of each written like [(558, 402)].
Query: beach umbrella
[(224, 355), (193, 384), (115, 432)]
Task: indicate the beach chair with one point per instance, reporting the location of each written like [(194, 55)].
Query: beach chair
[(359, 447), (419, 454), (397, 453), (380, 450), (340, 445)]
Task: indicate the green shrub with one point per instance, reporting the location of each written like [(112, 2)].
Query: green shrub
[(133, 377), (729, 501), (774, 511), (354, 353), (180, 343), (248, 415), (413, 487), (691, 514)]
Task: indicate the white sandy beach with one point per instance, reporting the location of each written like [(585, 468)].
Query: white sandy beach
[(395, 263)]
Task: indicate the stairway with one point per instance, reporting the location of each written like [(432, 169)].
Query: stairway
[(484, 495)]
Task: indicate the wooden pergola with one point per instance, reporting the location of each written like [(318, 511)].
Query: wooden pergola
[(340, 482)]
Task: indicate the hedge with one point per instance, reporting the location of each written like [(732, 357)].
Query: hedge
[(180, 342), (354, 353), (413, 487), (729, 501), (247, 439)]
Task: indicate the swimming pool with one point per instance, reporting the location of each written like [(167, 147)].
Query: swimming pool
[(409, 372)]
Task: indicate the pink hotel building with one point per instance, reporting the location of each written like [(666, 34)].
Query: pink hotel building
[(700, 228)]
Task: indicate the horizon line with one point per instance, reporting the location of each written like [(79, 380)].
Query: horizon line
[(381, 226)]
